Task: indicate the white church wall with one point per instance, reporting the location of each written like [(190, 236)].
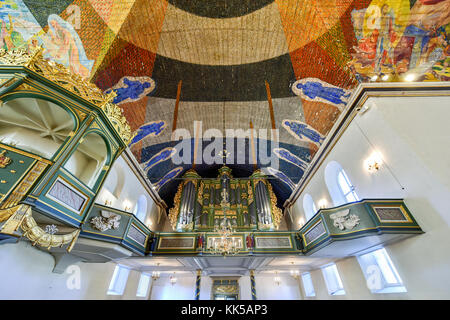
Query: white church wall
[(411, 134), (122, 188), (205, 288), (183, 289), (26, 273), (245, 288), (267, 289)]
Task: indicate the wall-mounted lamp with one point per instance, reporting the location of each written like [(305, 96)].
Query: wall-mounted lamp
[(108, 202), (277, 279), (173, 279), (156, 274), (323, 203), (126, 206), (294, 273), (373, 163)]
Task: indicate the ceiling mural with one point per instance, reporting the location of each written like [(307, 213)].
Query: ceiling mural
[(205, 67)]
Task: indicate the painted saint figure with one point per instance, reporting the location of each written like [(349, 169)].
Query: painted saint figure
[(317, 90), (301, 131), (200, 241), (169, 176), (286, 155), (250, 241), (161, 156), (64, 46), (153, 128), (386, 38), (130, 89)]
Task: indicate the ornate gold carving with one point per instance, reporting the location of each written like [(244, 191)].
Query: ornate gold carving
[(263, 180), (4, 160), (60, 75), (21, 216), (15, 218), (276, 212), (27, 87), (80, 113), (250, 192), (200, 192), (5, 81), (24, 186), (173, 212), (5, 214), (37, 235)]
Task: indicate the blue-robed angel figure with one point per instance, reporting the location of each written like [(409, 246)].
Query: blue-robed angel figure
[(154, 128), (301, 129), (288, 156), (315, 89), (133, 90), (159, 157), (169, 176)]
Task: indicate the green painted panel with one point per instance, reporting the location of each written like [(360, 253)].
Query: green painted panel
[(357, 212), (11, 174), (117, 233)]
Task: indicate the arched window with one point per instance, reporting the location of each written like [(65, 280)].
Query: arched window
[(308, 206), (347, 189), (140, 211), (339, 186)]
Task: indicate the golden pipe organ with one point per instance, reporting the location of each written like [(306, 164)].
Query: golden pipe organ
[(252, 203)]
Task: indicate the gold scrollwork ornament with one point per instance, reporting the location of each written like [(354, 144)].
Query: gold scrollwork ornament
[(4, 160)]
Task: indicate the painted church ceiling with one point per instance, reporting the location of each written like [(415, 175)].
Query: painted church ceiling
[(289, 65)]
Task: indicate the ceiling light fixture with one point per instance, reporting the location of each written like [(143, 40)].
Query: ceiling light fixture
[(374, 162), (225, 244)]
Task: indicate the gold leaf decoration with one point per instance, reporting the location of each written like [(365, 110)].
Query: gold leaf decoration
[(276, 212), (173, 212)]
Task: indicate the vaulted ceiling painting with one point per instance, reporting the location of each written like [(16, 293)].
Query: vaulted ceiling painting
[(288, 65)]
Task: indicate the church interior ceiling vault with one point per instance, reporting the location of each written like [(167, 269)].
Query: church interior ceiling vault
[(234, 64)]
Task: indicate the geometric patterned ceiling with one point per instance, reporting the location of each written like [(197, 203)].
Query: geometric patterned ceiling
[(234, 64)]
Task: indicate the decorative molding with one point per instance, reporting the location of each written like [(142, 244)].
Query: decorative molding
[(276, 212), (22, 217), (4, 160), (25, 185), (344, 220), (313, 233), (173, 212), (106, 221)]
